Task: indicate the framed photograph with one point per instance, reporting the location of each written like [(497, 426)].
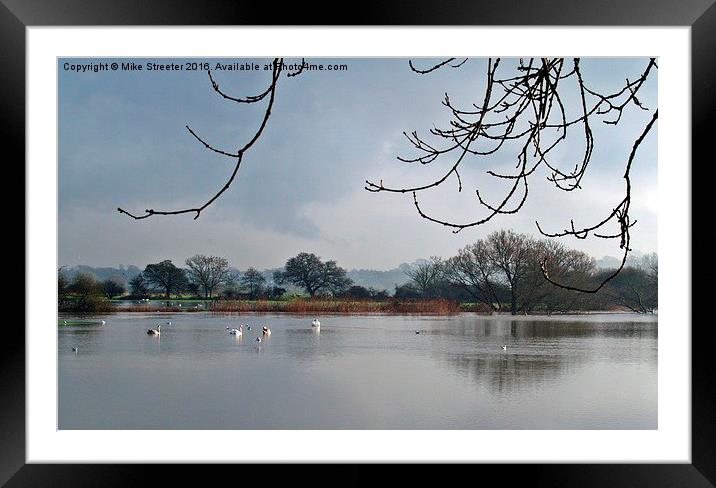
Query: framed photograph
[(432, 236)]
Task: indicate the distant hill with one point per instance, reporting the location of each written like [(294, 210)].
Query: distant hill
[(380, 280), (608, 262), (636, 259), (126, 273)]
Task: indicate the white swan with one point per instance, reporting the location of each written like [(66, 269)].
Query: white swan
[(103, 322), (156, 331), (316, 323), (237, 332)]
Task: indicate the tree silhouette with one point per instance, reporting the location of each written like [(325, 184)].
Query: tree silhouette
[(208, 272), (253, 280), (165, 276), (307, 271)]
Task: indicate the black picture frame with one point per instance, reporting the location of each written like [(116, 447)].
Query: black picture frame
[(700, 15)]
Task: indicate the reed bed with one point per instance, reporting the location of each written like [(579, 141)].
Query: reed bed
[(108, 308), (305, 306), (155, 308), (322, 306)]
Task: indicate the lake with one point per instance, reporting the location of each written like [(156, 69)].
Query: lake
[(595, 371)]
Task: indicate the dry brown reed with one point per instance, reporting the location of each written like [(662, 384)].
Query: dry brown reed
[(327, 306)]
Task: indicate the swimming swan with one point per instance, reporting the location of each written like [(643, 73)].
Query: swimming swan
[(156, 331), (316, 323)]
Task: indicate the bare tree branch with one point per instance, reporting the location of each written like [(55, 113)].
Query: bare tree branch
[(527, 107), (238, 155)]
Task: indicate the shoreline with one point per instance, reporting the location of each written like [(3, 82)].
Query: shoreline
[(171, 311)]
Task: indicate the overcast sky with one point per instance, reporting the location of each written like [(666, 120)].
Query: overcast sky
[(122, 142)]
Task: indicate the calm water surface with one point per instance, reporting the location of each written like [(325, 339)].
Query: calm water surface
[(360, 372)]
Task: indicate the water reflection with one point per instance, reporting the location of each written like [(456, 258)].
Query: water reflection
[(360, 372), (506, 372), (538, 351)]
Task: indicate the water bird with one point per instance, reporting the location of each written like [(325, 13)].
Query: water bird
[(417, 332), (504, 347), (64, 322), (238, 331), (75, 350), (316, 323), (266, 330), (156, 331), (258, 339), (103, 322), (248, 327), (169, 322)]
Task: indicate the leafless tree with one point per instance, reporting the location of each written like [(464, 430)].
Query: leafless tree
[(525, 106), (566, 266), (208, 272), (511, 253), (253, 281), (634, 289), (426, 275), (505, 267), (650, 264), (474, 271)]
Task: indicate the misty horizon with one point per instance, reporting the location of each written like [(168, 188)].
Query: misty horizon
[(601, 262)]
